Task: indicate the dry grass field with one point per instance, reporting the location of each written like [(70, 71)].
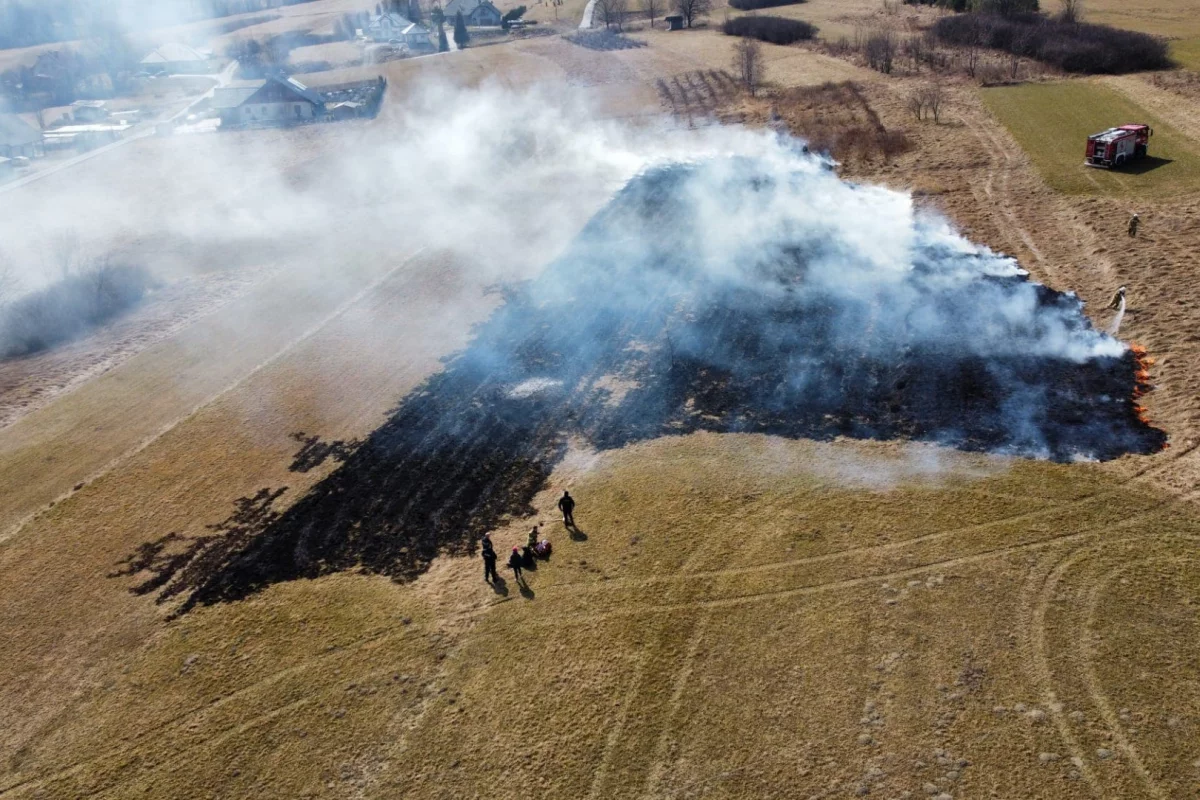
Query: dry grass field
[(1186, 52), (739, 616)]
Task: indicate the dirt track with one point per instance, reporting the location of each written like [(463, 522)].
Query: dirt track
[(746, 617)]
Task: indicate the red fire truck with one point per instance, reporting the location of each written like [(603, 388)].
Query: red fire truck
[(1116, 147)]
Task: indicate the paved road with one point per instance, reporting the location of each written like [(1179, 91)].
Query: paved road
[(589, 11), (140, 131)]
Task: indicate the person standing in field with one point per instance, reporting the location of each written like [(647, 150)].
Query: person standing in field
[(1117, 298), (489, 561), (1133, 225), (566, 505), (514, 563)]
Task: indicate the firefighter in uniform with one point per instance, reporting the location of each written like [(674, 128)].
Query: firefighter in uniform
[(1118, 296)]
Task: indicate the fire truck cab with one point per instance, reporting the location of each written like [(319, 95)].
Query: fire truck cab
[(1118, 146)]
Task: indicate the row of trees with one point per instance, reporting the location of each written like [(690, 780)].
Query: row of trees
[(1070, 46), (613, 13)]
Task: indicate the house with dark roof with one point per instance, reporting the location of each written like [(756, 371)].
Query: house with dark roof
[(279, 100), (476, 13), (179, 59), (18, 138), (387, 26)]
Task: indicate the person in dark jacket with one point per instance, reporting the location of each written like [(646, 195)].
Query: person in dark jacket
[(489, 561), (566, 505), (1133, 225), (514, 562)]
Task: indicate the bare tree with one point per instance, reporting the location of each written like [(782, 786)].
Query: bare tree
[(915, 47), (620, 10), (691, 10), (65, 250), (653, 8), (915, 103), (1070, 11), (747, 63), (612, 12), (881, 50), (971, 59), (935, 99)]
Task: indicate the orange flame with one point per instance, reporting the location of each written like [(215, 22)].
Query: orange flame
[(1141, 377)]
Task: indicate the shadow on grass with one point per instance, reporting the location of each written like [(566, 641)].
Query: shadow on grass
[(1144, 165)]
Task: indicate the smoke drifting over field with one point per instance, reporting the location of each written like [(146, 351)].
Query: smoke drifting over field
[(743, 287)]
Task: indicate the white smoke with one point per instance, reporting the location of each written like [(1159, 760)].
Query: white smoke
[(506, 178)]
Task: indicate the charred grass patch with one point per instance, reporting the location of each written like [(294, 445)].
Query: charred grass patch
[(474, 445), (1051, 122), (604, 40)]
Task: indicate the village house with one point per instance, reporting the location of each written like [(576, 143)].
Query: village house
[(89, 111), (476, 13), (388, 27), (279, 100), (179, 59), (18, 139), (416, 37)]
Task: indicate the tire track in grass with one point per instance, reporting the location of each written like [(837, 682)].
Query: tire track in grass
[(1044, 673), (349, 650), (1092, 681), (1035, 602)]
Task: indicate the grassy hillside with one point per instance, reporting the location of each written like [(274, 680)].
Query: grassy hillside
[(1186, 52), (1052, 121), (744, 614)]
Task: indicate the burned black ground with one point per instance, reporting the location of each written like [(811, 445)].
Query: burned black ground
[(640, 302)]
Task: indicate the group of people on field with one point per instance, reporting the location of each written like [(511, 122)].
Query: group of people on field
[(535, 547)]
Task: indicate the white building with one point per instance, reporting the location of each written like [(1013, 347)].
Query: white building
[(179, 59)]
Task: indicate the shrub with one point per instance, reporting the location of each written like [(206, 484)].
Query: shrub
[(752, 5), (1072, 47), (880, 50), (776, 30), (67, 309), (950, 5)]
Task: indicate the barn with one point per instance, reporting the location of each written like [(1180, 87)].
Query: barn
[(279, 100), (179, 59)]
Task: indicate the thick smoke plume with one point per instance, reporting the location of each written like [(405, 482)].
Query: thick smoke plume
[(730, 292)]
